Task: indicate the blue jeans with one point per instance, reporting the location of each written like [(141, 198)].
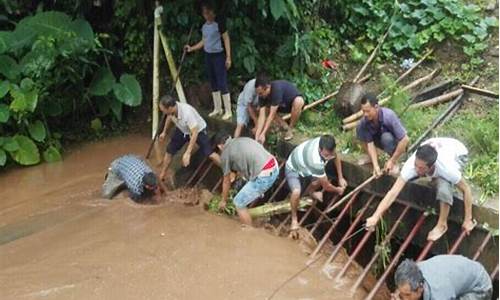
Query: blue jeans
[(254, 189)]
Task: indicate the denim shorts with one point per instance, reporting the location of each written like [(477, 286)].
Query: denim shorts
[(255, 188), (242, 115)]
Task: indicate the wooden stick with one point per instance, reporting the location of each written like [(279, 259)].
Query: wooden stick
[(372, 56), (414, 66), (348, 196), (276, 208), (413, 84), (479, 91), (441, 119), (156, 75), (438, 99), (349, 126)]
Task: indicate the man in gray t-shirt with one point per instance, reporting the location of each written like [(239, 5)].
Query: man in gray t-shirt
[(443, 277), (250, 160)]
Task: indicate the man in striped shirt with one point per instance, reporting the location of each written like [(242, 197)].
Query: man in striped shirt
[(308, 160), (132, 172)]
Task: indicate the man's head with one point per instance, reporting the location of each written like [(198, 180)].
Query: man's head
[(208, 11), (409, 280), (327, 146), (168, 105), (425, 157), (220, 139), (149, 181), (262, 86), (369, 106)]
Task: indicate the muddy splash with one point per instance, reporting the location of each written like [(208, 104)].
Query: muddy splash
[(60, 240)]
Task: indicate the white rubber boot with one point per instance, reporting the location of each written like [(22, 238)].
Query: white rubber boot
[(226, 98), (216, 97)]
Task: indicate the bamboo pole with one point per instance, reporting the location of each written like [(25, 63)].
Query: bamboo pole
[(413, 84), (356, 190), (372, 56), (438, 99), (276, 208), (156, 72), (414, 66), (170, 61), (479, 91)]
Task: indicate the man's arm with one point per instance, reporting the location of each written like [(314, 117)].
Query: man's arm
[(226, 184), (400, 149), (227, 46), (372, 153), (196, 47), (260, 121), (272, 113), (162, 135), (192, 140), (463, 186), (386, 202), (340, 175), (252, 114), (328, 186)]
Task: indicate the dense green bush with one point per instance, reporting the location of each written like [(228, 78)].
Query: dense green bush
[(50, 71)]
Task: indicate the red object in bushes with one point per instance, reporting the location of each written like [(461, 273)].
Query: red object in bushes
[(329, 64)]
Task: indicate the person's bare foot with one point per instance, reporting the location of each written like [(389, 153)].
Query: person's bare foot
[(294, 230), (437, 232), (288, 134), (317, 195)]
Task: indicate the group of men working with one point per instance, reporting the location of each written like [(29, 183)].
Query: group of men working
[(261, 103)]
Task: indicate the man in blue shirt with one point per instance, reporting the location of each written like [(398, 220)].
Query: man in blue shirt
[(381, 128), (132, 172)]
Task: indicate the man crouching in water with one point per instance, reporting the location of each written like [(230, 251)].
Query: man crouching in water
[(132, 172)]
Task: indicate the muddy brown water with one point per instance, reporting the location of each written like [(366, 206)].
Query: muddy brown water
[(59, 240)]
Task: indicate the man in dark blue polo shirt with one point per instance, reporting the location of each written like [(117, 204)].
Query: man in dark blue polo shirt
[(381, 128), (279, 96)]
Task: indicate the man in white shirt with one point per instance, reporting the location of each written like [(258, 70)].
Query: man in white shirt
[(247, 105), (190, 127), (442, 159)]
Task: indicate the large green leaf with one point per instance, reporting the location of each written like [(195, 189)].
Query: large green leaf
[(3, 157), (96, 124), (52, 154), (23, 101), (9, 67), (28, 153), (27, 84), (128, 90), (50, 23), (102, 82), (278, 8), (10, 144), (5, 37), (4, 113), (4, 88), (37, 131), (83, 30)]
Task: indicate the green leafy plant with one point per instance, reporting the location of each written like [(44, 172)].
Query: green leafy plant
[(49, 70)]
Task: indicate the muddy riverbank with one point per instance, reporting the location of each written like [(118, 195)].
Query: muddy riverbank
[(59, 240)]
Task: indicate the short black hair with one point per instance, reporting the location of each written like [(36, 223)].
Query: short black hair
[(220, 138), (327, 142), (262, 80), (168, 101), (369, 98), (428, 154), (408, 272), (207, 4), (149, 179)]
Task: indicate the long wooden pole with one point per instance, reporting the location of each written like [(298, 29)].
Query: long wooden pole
[(413, 84), (170, 61), (348, 196), (156, 73), (372, 56), (479, 91), (438, 99)]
